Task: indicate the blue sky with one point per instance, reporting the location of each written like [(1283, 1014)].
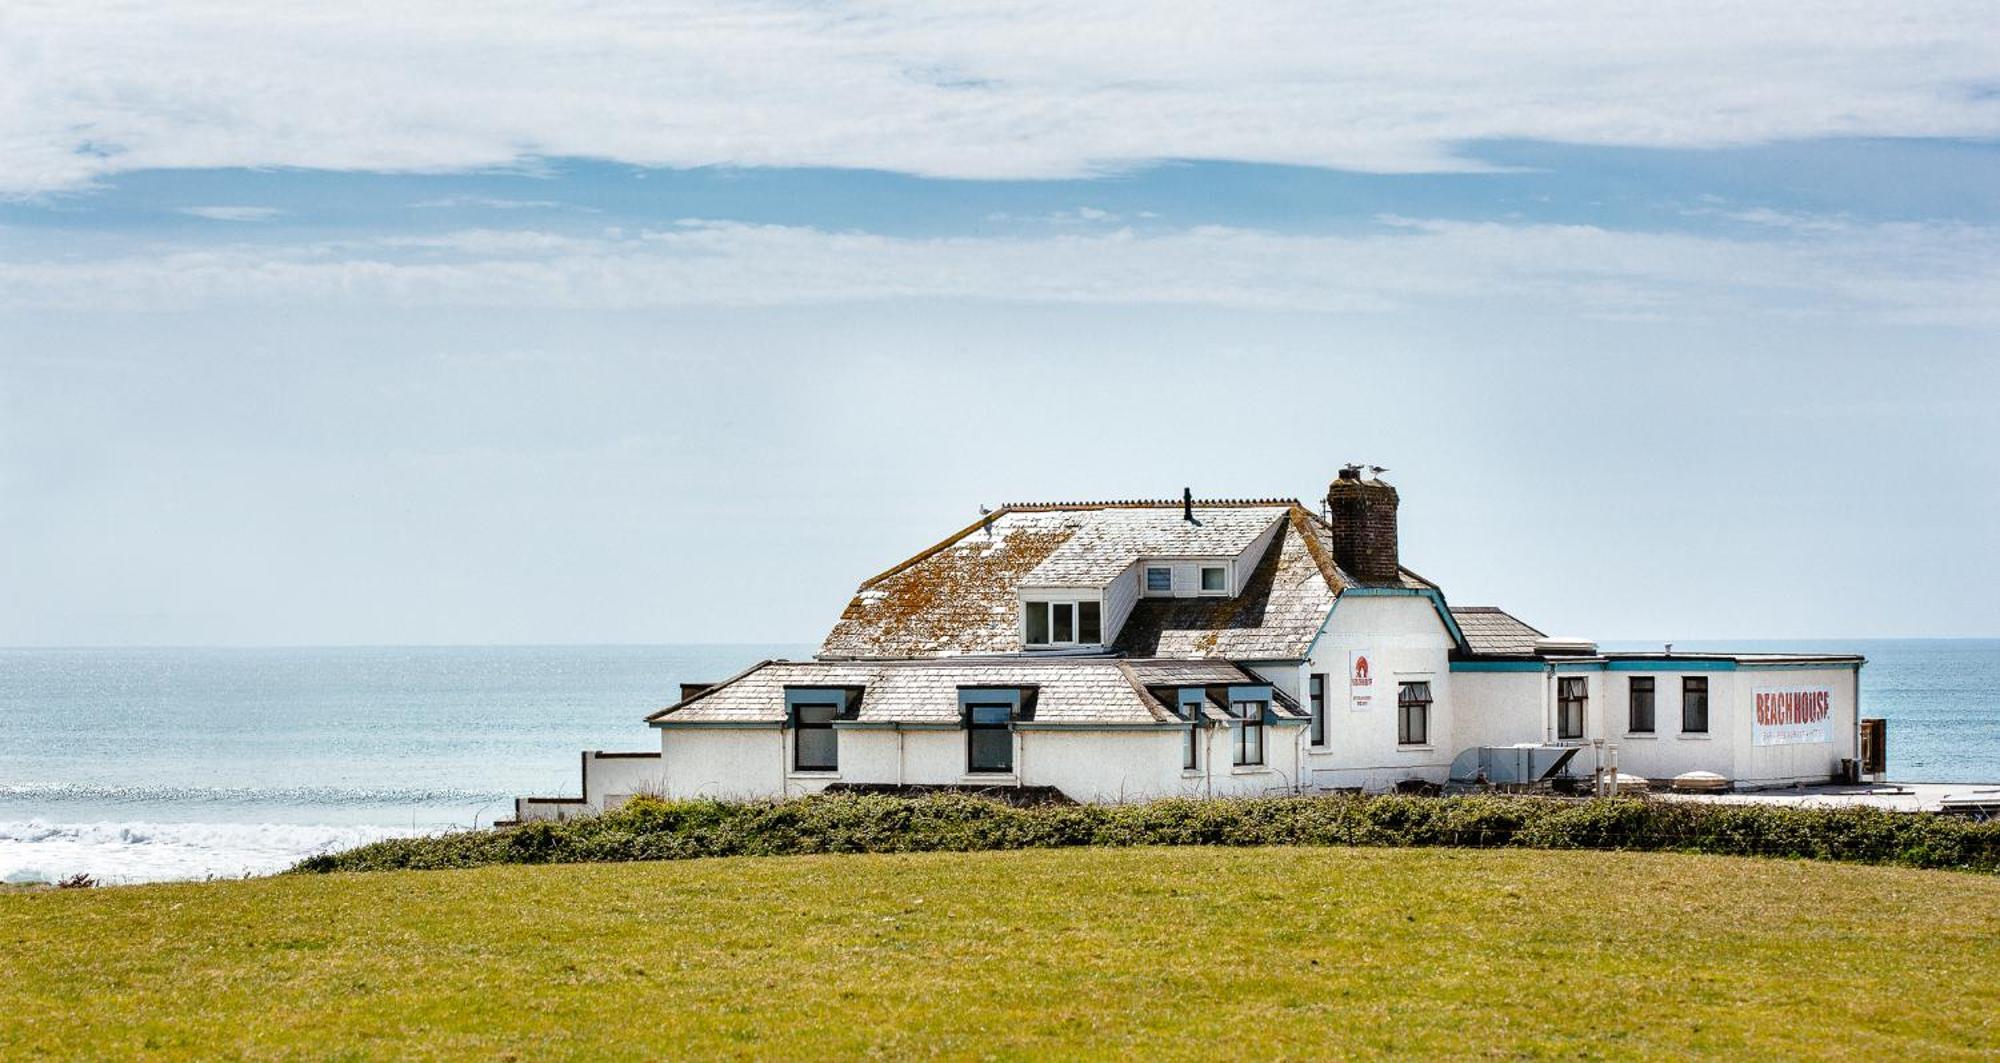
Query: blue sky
[(673, 325)]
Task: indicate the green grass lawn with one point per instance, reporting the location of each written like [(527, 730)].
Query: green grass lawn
[(1188, 952)]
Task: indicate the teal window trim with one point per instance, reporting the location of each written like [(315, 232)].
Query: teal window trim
[(1672, 664)]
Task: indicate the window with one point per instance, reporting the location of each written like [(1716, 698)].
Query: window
[(1038, 623), (989, 738), (815, 745), (1249, 731), (1062, 623), (1159, 580), (1191, 745), (1642, 705), (1316, 688), (1571, 696), (1413, 714), (1214, 579), (1694, 704), (1089, 622)]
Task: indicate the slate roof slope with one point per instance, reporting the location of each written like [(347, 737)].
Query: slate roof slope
[(1491, 631), (1109, 539), (1077, 691), (960, 597), (1274, 617)]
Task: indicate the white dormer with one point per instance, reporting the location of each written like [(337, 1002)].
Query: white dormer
[(1062, 619), (1185, 577)]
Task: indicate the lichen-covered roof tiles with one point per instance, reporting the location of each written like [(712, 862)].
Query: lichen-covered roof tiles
[(1273, 617), (1492, 631), (961, 596)]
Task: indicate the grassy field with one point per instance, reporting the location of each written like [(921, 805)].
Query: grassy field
[(1187, 952)]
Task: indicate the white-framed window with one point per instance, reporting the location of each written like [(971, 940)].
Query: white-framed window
[(1572, 696), (1046, 623), (1214, 579), (1159, 579), (815, 744), (989, 738), (1249, 732), (1316, 686), (1413, 714)]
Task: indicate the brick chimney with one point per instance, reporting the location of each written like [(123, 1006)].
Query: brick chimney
[(1363, 515)]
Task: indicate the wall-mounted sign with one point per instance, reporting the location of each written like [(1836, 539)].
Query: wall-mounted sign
[(1789, 717), (1360, 680)]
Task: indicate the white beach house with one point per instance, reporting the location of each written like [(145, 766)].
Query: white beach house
[(1139, 649)]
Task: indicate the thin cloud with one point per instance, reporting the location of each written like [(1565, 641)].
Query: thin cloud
[(1928, 273), (227, 213), (984, 88)]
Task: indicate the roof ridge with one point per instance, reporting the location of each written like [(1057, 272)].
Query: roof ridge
[(1146, 698), (935, 549), (1147, 503), (713, 687), (1301, 523)]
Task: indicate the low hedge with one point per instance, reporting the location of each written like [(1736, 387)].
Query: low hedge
[(652, 829)]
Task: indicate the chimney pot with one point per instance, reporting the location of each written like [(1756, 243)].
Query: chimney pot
[(1187, 504)]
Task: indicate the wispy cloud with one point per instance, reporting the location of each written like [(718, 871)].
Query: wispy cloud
[(227, 213), (1931, 273), (983, 88), (484, 203)]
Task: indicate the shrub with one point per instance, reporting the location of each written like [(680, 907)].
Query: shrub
[(649, 828)]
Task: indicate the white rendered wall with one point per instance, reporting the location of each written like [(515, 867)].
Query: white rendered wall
[(1808, 762), (1407, 642), (610, 781), (1499, 708), (724, 763), (1119, 598)]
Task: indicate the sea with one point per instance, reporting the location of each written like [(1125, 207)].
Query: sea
[(133, 765)]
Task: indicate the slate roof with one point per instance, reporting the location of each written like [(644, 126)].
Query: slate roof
[(1491, 631), (1273, 617), (961, 596), (1108, 539), (1077, 691)]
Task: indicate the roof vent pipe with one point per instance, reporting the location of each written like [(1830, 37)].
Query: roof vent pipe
[(1187, 504)]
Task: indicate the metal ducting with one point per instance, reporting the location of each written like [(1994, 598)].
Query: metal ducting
[(1516, 766)]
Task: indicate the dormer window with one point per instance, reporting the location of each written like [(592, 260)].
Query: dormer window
[(1159, 579), (1062, 623), (1214, 579)]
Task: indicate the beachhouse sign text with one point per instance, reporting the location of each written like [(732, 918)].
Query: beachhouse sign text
[(1786, 717)]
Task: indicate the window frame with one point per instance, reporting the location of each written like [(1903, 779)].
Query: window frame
[(974, 727), (800, 727), (1046, 608), (1201, 580), (1693, 686), (1249, 728), (1566, 701), (1146, 579), (1316, 700), (1652, 702), (1405, 703)]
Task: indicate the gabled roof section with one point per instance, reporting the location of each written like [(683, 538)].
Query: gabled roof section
[(960, 596), (1491, 631), (1075, 691), (1273, 618)]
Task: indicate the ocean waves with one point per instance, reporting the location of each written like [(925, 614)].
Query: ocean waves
[(290, 796), (113, 852)]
